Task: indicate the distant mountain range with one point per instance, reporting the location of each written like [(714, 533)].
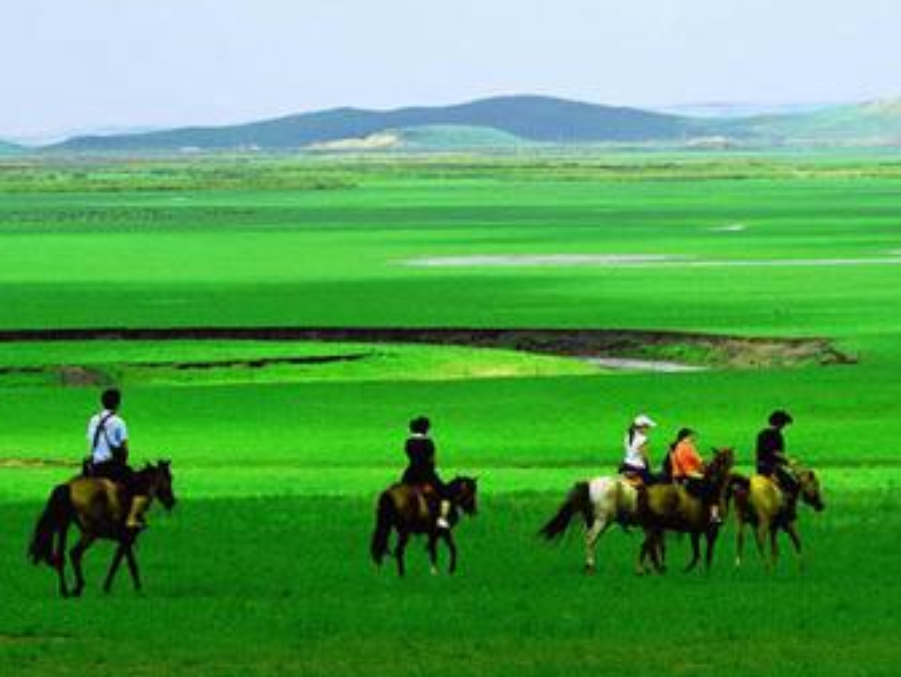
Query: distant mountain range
[(7, 148), (514, 121)]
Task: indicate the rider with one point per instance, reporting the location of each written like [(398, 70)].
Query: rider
[(771, 459), (108, 440), (687, 468), (420, 471), (637, 443)]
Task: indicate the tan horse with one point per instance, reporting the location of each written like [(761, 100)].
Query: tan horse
[(407, 510), (672, 507), (99, 508), (762, 504)]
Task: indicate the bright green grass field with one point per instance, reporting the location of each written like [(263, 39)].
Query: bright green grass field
[(263, 567)]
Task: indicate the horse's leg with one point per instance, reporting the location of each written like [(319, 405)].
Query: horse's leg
[(132, 560), (452, 548), (76, 555), (661, 553), (657, 551), (695, 551), (114, 567), (792, 530), (645, 552), (760, 535), (59, 560), (592, 534), (739, 541), (402, 537)]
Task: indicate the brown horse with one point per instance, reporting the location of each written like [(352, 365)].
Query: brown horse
[(99, 507), (761, 503), (672, 507), (407, 510)]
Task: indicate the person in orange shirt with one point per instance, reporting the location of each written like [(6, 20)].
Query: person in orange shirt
[(687, 468)]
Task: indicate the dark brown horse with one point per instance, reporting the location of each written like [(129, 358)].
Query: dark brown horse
[(407, 510), (672, 507), (99, 507), (769, 509)]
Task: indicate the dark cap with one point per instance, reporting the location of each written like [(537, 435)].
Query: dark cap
[(780, 418), (420, 425)]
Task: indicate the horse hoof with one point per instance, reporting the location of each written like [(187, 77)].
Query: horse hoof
[(434, 571)]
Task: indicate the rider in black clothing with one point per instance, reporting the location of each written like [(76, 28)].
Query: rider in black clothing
[(420, 471), (771, 458)]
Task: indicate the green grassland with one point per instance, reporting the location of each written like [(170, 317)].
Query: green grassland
[(262, 569)]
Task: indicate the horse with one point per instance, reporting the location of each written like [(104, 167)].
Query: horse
[(99, 507), (673, 507), (406, 509), (761, 503), (601, 502)]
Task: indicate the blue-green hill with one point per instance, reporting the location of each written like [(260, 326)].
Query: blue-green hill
[(533, 118), (873, 123)]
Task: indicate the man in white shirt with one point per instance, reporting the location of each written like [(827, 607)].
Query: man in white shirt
[(108, 448)]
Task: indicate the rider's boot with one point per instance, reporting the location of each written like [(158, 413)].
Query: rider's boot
[(135, 519), (443, 520)]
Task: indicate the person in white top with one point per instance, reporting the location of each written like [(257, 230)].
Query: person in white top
[(108, 449), (637, 459)]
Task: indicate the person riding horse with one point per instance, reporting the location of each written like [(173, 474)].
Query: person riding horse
[(772, 461), (637, 463), (687, 468), (108, 440), (421, 472)]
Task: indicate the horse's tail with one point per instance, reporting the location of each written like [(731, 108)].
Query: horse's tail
[(383, 520), (737, 486), (578, 501), (54, 519), (738, 490)]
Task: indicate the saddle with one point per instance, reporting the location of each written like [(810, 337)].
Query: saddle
[(426, 500)]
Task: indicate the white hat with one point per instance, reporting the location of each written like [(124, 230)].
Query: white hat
[(644, 421)]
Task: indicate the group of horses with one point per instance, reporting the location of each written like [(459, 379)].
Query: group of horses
[(98, 508), (758, 502)]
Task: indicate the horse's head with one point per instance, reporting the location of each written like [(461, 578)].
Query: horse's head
[(160, 483), (810, 489), (717, 471), (464, 491)]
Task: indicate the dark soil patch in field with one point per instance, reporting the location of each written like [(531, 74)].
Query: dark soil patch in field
[(88, 377), (687, 347), (258, 363), (82, 377)]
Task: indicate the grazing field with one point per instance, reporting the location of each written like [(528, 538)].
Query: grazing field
[(280, 447)]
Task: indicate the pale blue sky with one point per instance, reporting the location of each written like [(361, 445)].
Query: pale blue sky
[(76, 64)]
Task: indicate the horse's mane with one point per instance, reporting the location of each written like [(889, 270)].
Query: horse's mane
[(143, 478), (461, 480), (720, 464)]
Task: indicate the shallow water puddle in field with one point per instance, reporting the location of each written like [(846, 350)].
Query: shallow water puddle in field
[(636, 261), (652, 366)]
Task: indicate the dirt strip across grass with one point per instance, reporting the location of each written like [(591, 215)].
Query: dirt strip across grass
[(710, 349)]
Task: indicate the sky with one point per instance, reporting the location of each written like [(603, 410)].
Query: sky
[(76, 65)]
